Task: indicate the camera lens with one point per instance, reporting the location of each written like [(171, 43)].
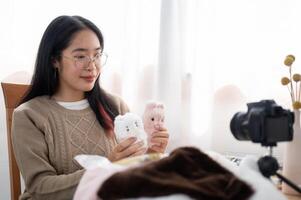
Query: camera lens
[(239, 126)]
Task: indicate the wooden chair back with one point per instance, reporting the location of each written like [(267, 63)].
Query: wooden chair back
[(13, 93)]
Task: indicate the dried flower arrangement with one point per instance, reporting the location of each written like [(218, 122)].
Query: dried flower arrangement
[(294, 89)]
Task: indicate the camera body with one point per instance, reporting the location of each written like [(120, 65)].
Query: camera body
[(265, 122)]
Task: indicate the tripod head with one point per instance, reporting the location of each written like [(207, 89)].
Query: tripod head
[(268, 166)]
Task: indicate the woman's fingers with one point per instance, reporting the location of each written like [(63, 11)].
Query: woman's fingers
[(126, 148), (132, 149), (159, 140), (158, 149), (140, 151), (163, 134), (125, 144), (163, 129)]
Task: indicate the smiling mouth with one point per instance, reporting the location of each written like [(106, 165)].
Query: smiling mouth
[(88, 78)]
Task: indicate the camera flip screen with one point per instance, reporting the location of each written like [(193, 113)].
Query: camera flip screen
[(277, 129)]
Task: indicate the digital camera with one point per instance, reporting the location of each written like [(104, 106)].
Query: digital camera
[(265, 122)]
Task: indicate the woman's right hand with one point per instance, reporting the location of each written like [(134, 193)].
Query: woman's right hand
[(127, 148)]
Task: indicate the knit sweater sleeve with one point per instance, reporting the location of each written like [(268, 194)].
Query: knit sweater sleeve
[(32, 156)]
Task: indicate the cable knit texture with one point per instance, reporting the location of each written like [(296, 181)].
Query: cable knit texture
[(47, 136)]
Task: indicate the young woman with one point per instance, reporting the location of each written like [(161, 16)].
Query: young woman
[(66, 113)]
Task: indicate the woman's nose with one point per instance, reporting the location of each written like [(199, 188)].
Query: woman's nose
[(91, 65)]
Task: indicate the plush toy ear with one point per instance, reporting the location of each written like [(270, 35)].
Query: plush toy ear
[(129, 116), (150, 105), (160, 105), (118, 120), (118, 117)]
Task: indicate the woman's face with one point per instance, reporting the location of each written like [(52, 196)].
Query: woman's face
[(77, 74)]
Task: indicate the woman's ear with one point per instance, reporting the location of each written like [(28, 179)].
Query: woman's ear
[(55, 63)]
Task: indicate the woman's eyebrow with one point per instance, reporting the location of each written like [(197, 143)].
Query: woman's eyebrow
[(79, 49), (83, 49)]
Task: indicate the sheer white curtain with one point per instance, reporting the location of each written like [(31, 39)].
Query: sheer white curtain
[(178, 86), (157, 61), (205, 60), (214, 57)]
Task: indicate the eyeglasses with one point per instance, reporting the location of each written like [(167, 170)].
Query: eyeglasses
[(83, 61)]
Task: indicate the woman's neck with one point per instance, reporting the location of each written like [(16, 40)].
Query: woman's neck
[(68, 96)]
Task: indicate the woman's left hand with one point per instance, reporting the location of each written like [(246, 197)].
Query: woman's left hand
[(159, 141)]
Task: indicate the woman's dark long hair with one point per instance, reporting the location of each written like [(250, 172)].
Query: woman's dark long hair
[(56, 38)]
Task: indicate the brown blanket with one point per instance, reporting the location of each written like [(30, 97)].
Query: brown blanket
[(186, 171)]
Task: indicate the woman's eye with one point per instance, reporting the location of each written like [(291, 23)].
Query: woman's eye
[(153, 119), (97, 56), (80, 57)]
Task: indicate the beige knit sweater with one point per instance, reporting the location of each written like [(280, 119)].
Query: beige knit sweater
[(47, 136)]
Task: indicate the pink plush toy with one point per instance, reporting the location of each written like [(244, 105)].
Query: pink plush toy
[(153, 118)]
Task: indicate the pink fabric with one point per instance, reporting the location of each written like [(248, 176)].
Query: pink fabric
[(91, 182)]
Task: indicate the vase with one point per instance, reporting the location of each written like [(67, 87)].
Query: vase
[(292, 158)]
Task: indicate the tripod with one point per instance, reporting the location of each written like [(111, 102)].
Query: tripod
[(269, 166)]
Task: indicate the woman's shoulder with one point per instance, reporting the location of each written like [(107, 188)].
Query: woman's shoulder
[(114, 97), (37, 104), (118, 101), (35, 111)]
